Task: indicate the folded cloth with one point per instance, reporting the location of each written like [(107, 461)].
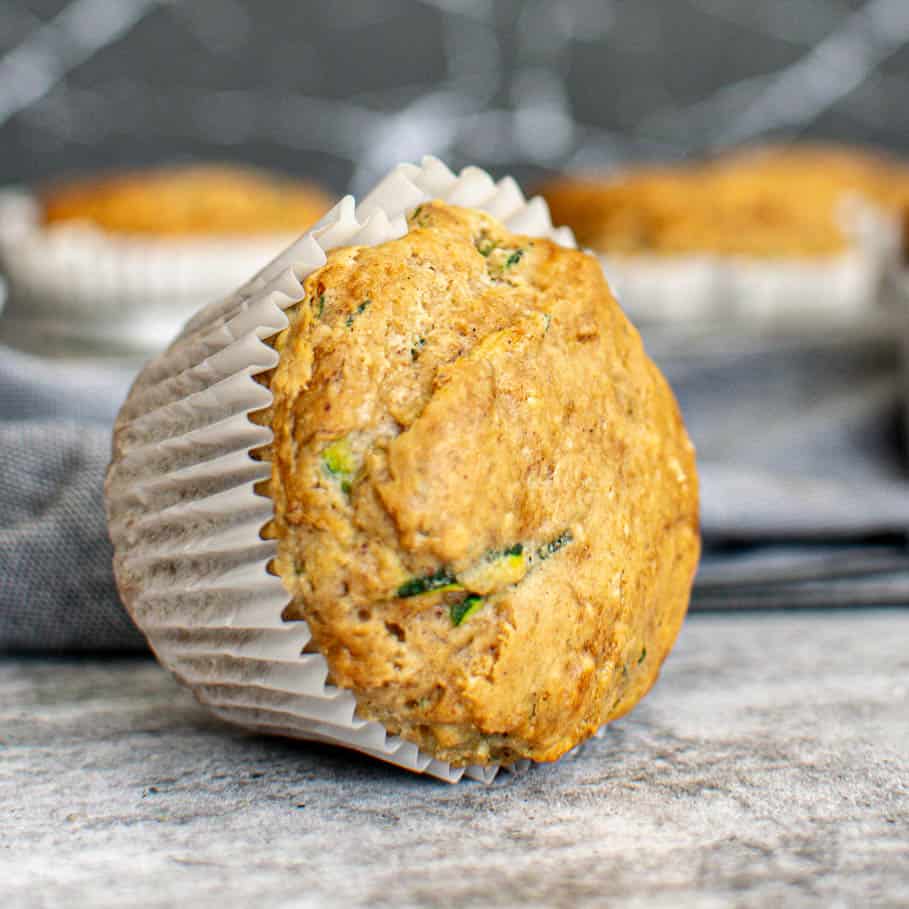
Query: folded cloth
[(57, 589), (796, 439), (805, 498), (815, 575)]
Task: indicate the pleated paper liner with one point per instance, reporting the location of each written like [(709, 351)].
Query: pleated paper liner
[(80, 283), (185, 519)]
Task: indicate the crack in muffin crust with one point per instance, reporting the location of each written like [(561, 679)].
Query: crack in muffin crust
[(485, 502)]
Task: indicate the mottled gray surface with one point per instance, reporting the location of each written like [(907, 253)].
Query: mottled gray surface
[(769, 767)]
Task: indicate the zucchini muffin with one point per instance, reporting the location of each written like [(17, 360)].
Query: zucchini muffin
[(769, 222), (188, 201), (485, 501), (765, 203), (117, 263)]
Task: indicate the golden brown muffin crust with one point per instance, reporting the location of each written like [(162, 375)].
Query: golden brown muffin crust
[(761, 203), (485, 499), (187, 201)]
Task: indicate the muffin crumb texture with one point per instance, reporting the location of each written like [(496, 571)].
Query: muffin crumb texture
[(485, 502)]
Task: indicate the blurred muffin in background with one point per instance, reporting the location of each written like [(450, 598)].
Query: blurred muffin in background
[(775, 235), (118, 262), (192, 200)]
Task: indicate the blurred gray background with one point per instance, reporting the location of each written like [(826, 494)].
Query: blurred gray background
[(342, 90)]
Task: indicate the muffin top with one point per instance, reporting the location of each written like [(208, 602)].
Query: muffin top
[(485, 502), (761, 203), (188, 201)]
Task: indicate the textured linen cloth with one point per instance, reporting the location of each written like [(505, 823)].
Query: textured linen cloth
[(805, 497), (56, 584)]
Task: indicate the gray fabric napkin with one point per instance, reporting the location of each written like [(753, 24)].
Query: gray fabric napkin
[(56, 586), (795, 438), (805, 497)]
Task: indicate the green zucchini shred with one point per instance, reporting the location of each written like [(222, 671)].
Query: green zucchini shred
[(438, 581), (349, 321), (338, 459), (553, 546), (463, 610), (485, 246), (493, 555), (418, 216), (339, 462), (513, 259), (643, 656)]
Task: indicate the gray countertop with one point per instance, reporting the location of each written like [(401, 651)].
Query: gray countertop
[(769, 767)]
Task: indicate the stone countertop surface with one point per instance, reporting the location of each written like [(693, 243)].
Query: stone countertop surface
[(769, 767)]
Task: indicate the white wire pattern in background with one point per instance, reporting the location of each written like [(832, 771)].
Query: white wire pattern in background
[(343, 90)]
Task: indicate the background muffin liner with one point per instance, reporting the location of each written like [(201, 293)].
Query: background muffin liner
[(75, 281), (782, 294), (185, 519)]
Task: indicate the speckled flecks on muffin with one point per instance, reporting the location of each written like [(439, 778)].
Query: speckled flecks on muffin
[(485, 501)]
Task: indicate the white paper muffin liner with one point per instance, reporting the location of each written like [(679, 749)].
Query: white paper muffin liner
[(74, 280), (185, 519), (780, 293)]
